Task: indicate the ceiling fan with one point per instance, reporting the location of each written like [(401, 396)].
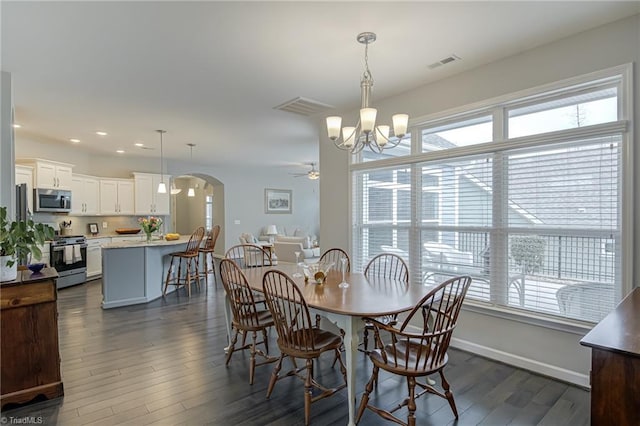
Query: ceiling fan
[(312, 174)]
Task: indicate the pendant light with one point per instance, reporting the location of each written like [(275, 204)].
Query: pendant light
[(162, 188), (191, 192), (175, 190)]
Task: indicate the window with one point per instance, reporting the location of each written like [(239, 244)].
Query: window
[(403, 149), (568, 112), (535, 221), (208, 212), (468, 132)]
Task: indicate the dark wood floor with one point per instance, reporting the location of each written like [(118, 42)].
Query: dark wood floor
[(163, 363)]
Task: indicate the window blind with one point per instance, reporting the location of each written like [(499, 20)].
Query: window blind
[(536, 223)]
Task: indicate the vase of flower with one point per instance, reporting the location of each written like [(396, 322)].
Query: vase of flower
[(150, 225)]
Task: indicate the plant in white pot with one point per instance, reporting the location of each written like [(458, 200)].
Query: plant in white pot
[(18, 239)]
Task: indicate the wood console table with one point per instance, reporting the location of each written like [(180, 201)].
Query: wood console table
[(29, 345), (615, 365)]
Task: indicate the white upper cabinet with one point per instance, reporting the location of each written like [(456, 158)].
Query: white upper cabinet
[(24, 174), (50, 174), (116, 197), (147, 199), (85, 195)]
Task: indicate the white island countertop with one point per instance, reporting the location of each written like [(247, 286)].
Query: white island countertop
[(152, 243)]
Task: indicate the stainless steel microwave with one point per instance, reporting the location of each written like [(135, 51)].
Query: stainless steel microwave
[(51, 200)]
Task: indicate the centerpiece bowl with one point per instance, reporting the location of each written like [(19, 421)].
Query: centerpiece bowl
[(36, 267), (316, 272)]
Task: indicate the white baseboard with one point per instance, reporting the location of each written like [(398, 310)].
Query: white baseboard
[(124, 302), (522, 362)]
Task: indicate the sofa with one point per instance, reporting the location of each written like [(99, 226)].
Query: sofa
[(289, 240), (286, 247), (254, 257)]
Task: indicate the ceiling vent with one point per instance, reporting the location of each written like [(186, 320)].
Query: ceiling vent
[(444, 61), (303, 106)]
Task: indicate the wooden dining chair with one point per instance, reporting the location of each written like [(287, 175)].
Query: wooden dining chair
[(249, 255), (335, 255), (386, 265), (405, 352), (207, 251), (190, 258), (247, 317), (298, 337)]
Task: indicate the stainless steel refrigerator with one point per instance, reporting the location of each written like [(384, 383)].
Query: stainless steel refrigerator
[(22, 205)]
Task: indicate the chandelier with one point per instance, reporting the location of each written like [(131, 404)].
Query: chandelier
[(366, 133)]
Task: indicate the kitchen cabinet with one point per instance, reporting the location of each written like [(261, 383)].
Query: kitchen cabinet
[(85, 195), (50, 174), (24, 174), (94, 256), (147, 199), (117, 197)]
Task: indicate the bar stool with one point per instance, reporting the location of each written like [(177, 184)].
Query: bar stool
[(207, 255), (190, 257)]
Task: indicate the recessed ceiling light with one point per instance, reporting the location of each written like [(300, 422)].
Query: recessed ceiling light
[(101, 133), (138, 144), (16, 126), (74, 140), (120, 151)]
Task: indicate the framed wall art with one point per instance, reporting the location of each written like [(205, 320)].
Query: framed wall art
[(278, 201)]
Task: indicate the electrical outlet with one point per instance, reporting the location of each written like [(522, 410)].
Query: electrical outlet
[(104, 225), (236, 222)]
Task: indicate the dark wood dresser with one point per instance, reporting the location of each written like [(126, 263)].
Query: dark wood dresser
[(30, 363), (615, 365)]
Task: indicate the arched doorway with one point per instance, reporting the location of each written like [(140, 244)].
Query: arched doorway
[(204, 208)]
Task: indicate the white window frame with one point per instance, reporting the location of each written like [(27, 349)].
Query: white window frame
[(498, 107)]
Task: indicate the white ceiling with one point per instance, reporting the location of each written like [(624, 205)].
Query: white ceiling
[(210, 73)]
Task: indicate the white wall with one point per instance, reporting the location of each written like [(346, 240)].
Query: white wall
[(7, 173), (243, 186), (244, 198), (551, 352)]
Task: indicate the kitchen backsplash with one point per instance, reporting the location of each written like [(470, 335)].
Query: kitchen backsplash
[(80, 224)]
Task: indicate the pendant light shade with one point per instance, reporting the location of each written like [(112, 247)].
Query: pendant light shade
[(191, 192), (162, 188), (174, 190)]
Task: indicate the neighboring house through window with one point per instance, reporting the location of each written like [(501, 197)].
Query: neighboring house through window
[(524, 194)]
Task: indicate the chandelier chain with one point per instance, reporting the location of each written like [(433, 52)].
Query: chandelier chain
[(367, 73)]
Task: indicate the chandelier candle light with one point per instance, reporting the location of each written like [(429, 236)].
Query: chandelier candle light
[(366, 133)]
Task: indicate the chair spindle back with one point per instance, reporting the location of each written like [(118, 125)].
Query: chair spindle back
[(289, 311)]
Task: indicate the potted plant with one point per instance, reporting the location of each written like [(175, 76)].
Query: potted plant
[(18, 239)]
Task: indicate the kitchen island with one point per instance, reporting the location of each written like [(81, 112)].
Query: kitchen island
[(133, 272)]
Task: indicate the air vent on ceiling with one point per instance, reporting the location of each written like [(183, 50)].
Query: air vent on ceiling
[(444, 61), (303, 106)]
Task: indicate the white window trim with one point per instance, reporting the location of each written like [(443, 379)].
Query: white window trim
[(490, 106)]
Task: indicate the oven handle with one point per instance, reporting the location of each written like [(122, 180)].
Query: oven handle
[(60, 248)]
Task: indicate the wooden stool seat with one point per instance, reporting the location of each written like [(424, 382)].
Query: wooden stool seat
[(207, 255), (191, 259)]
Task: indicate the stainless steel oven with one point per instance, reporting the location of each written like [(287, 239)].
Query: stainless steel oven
[(69, 257)]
